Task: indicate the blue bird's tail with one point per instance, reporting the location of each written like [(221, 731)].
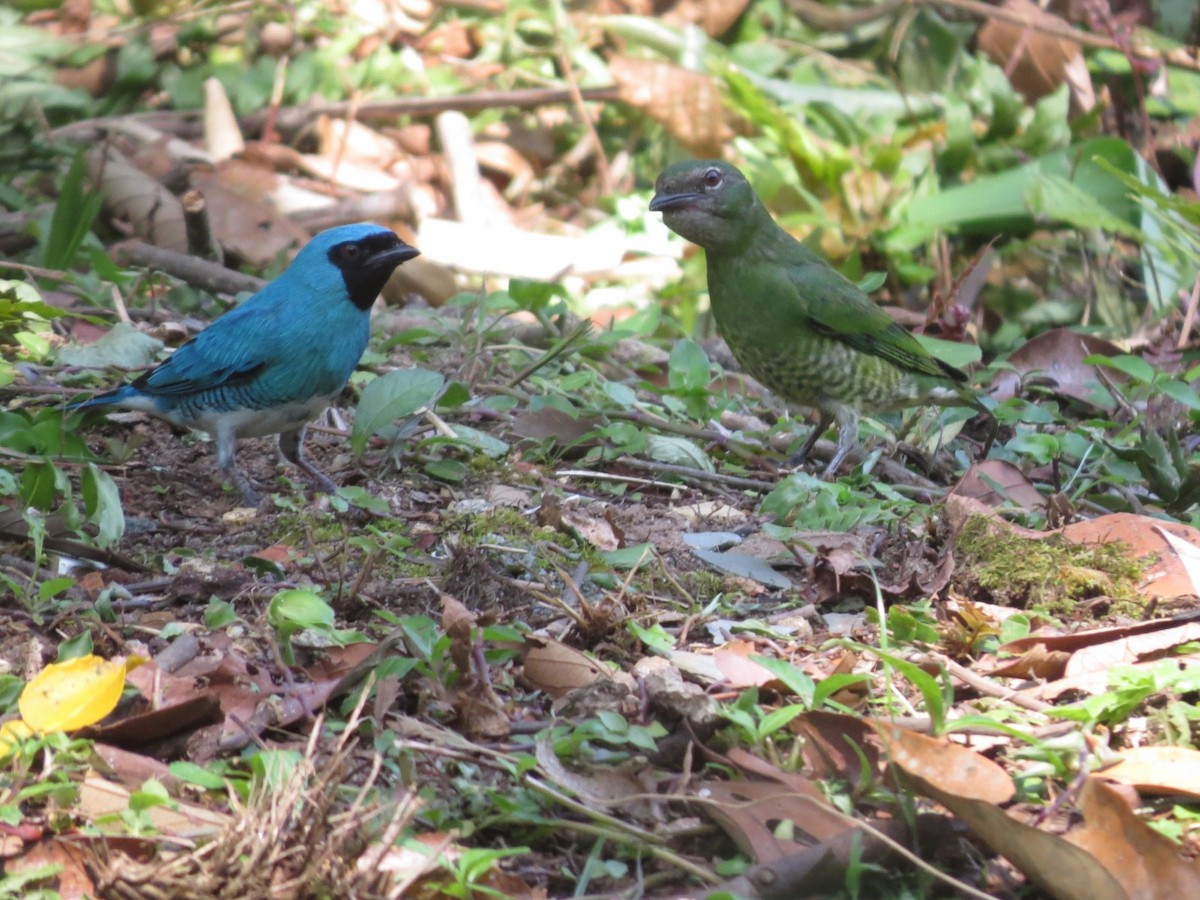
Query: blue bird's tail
[(115, 397)]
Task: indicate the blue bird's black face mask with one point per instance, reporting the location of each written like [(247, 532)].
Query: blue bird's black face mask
[(367, 264)]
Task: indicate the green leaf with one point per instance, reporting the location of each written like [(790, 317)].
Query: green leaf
[(653, 636), (956, 353), (74, 213), (489, 446), (198, 775), (677, 451), (298, 608), (102, 500), (389, 397), (799, 683), (1005, 202), (628, 557), (1133, 366), (688, 369), (451, 470)]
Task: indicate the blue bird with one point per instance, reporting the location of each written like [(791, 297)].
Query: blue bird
[(273, 363)]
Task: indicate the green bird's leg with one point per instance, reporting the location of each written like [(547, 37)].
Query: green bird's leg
[(800, 457), (847, 420), (290, 446)]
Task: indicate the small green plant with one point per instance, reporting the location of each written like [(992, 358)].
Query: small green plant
[(296, 610)]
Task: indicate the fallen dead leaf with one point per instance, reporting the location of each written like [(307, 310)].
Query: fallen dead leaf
[(1145, 862), (557, 669), (1157, 770)]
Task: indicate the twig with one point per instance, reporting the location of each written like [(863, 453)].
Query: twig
[(1189, 317), (837, 20), (602, 167), (197, 272), (119, 306), (985, 685), (289, 120), (618, 830), (737, 481), (611, 476)]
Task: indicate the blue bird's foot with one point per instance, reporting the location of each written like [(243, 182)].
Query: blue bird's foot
[(290, 445), (250, 497)]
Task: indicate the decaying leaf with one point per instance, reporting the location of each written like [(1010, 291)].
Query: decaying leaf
[(688, 104)]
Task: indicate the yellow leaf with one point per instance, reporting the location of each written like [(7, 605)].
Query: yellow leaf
[(69, 695), (12, 732)]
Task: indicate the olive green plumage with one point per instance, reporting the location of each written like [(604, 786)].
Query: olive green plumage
[(793, 321)]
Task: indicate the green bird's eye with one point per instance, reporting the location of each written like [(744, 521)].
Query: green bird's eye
[(712, 178)]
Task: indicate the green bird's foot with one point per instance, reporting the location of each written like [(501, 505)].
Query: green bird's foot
[(800, 457)]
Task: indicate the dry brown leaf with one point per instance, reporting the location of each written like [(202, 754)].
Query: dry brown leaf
[(100, 798), (997, 482), (1145, 862), (838, 746), (72, 882), (686, 103), (1036, 62), (1126, 650), (1036, 662), (945, 766), (600, 788), (748, 811), (243, 219), (1168, 576), (1056, 866), (592, 529), (739, 671), (557, 669), (153, 212), (1058, 355), (714, 16), (1157, 770)]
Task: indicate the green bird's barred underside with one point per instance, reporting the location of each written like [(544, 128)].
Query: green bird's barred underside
[(813, 370)]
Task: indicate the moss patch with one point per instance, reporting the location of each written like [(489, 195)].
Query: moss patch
[(1048, 572)]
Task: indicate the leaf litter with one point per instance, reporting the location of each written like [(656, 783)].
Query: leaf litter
[(567, 652)]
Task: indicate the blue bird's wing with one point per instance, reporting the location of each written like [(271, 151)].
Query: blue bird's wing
[(229, 353)]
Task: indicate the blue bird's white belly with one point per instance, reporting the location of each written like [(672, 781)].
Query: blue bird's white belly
[(245, 422)]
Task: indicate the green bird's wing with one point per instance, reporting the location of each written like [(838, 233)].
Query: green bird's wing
[(836, 308)]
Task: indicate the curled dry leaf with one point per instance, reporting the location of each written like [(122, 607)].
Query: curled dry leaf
[(1145, 862), (558, 669), (748, 810), (714, 16), (1058, 356), (945, 766), (998, 482), (686, 103), (1157, 770), (1036, 62), (154, 213)]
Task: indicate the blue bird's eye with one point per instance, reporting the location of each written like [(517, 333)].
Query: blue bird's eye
[(712, 178)]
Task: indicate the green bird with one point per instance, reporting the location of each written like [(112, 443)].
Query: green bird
[(793, 321)]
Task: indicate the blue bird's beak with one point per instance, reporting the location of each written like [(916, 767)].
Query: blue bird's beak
[(662, 202), (392, 256)]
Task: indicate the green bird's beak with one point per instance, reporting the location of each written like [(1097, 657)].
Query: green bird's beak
[(662, 202)]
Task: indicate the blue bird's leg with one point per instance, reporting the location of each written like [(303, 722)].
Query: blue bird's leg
[(290, 446), (226, 439)]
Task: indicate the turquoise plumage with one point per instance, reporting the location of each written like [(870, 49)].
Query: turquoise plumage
[(270, 365)]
